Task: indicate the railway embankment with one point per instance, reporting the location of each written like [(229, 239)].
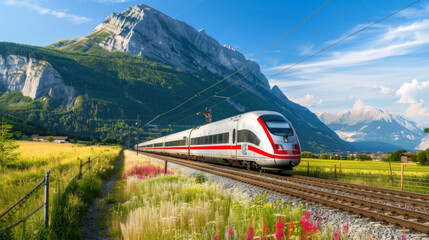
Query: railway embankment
[(288, 210)]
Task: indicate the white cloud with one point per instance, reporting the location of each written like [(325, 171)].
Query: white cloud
[(308, 100), (408, 91), (379, 88), (401, 40), (33, 5), (415, 12), (417, 110)]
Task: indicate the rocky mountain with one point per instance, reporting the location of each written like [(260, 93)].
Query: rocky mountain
[(144, 31), (366, 123), (424, 143), (141, 61), (33, 78)]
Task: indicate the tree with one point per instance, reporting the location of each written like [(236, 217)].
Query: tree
[(422, 157), (396, 156), (50, 138), (426, 130), (363, 157), (7, 144)]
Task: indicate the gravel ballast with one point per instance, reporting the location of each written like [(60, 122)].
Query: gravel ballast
[(360, 226)]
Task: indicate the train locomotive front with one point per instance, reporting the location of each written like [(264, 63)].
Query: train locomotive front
[(255, 140)]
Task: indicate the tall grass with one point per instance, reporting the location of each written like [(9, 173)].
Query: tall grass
[(23, 174), (371, 173), (179, 207)]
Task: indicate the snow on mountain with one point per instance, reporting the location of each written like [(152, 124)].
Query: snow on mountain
[(366, 123), (424, 144)]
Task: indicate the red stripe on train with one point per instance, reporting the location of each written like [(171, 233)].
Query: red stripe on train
[(228, 147)]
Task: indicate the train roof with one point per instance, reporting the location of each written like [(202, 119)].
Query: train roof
[(253, 114)]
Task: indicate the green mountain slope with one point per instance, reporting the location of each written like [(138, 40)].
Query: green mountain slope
[(112, 88)]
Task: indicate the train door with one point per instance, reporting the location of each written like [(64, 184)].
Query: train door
[(234, 138)]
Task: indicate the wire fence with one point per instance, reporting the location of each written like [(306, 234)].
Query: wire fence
[(404, 180), (14, 209)]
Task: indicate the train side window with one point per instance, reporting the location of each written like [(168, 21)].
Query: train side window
[(226, 138), (247, 136), (233, 136)]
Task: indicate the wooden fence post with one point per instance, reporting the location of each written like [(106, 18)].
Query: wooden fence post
[(402, 177), (165, 168), (335, 171), (80, 168), (308, 168), (46, 209), (98, 159), (391, 173)]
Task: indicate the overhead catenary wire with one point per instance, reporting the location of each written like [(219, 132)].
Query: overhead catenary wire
[(312, 55), (239, 70), (284, 53)]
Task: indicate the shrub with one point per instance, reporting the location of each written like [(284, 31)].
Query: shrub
[(200, 178)]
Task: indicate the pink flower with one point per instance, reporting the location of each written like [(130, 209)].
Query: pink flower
[(345, 228), (230, 231), (140, 177), (307, 215), (280, 229), (264, 238), (337, 236), (251, 232), (124, 174), (216, 237), (404, 238)]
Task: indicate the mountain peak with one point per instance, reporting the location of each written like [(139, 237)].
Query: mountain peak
[(367, 123), (147, 32)]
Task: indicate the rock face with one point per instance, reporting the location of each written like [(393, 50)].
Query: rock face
[(145, 31), (366, 123), (33, 78)]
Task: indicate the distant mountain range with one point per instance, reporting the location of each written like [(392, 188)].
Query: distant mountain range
[(368, 124), (140, 61)]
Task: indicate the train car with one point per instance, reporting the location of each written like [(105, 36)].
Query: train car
[(256, 140)]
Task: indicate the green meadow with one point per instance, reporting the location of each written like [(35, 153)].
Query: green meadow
[(372, 173)]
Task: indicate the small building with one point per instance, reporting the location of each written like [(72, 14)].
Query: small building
[(408, 157), (56, 139)]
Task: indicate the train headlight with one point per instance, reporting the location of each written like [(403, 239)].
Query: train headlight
[(280, 147)]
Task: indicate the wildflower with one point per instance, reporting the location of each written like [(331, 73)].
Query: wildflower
[(265, 229), (337, 236), (307, 215), (216, 237), (124, 174), (264, 238), (230, 231), (403, 234), (140, 176), (251, 231), (168, 196), (280, 228), (345, 228)]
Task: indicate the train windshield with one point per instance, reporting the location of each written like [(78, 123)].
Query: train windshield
[(277, 125)]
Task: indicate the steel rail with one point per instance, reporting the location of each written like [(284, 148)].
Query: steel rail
[(355, 205)]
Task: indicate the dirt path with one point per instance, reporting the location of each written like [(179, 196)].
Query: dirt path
[(94, 224)]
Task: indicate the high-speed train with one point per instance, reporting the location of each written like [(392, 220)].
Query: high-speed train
[(255, 140)]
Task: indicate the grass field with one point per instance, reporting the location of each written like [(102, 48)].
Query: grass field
[(17, 178), (372, 173), (178, 206)]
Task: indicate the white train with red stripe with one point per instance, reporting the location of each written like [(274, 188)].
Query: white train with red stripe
[(258, 140)]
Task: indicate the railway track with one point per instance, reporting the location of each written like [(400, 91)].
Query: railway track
[(405, 209)]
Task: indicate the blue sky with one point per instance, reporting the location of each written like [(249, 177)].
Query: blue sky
[(385, 67)]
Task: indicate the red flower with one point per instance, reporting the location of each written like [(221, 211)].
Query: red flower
[(216, 237), (307, 215)]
